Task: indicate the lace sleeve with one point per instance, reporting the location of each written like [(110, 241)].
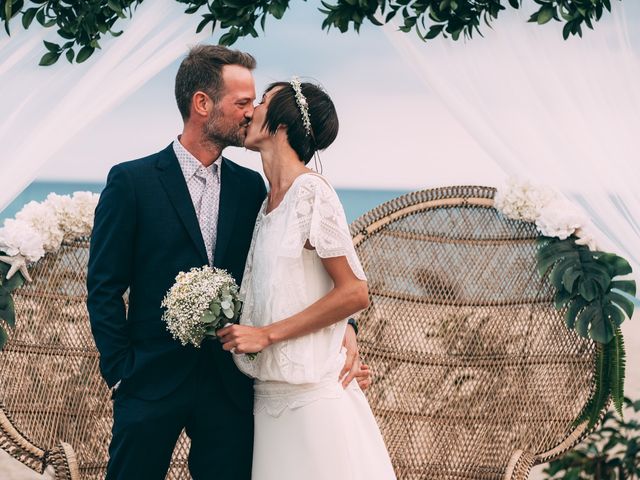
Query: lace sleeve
[(317, 215)]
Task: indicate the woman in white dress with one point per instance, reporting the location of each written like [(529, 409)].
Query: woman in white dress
[(302, 281)]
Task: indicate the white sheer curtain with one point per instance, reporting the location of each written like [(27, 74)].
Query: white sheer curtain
[(561, 113), (44, 108)]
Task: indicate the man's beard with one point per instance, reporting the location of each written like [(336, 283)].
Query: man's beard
[(223, 133)]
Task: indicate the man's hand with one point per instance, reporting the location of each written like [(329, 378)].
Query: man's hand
[(352, 366)]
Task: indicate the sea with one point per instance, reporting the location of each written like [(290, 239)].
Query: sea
[(356, 202)]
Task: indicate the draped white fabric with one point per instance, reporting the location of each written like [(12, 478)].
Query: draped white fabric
[(152, 39), (556, 114)]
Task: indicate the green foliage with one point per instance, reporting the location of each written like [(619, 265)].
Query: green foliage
[(81, 25), (583, 281), (7, 310), (586, 286), (612, 452)]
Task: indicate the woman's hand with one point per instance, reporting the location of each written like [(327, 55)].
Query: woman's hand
[(353, 367), (243, 339), (363, 377)]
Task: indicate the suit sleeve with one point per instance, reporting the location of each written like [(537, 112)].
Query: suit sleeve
[(110, 270), (261, 188)]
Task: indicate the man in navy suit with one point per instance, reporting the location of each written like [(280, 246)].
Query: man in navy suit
[(183, 207)]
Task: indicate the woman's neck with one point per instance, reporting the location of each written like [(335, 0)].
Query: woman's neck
[(281, 166)]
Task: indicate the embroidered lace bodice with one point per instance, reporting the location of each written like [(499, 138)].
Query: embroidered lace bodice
[(282, 278)]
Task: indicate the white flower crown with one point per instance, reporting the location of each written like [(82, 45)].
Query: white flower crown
[(303, 105)]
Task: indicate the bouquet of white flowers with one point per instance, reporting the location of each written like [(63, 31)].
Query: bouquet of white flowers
[(201, 301)]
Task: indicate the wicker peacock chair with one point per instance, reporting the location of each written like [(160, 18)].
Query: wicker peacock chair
[(50, 384), (476, 376)]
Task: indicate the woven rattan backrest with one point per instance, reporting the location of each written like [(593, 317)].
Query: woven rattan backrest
[(49, 379), (476, 375)]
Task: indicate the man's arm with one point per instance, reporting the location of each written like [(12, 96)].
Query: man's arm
[(109, 273)]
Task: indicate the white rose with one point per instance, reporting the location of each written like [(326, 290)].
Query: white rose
[(559, 219), (586, 236), (43, 218), (521, 200), (18, 237)]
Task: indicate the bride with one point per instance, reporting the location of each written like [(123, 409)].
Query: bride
[(302, 281)]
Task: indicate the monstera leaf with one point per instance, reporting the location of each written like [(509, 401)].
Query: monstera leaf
[(596, 303)]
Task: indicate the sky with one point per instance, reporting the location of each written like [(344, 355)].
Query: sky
[(394, 133)]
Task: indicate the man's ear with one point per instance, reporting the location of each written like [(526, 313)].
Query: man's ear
[(201, 104)]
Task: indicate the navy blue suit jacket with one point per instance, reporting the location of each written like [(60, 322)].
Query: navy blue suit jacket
[(145, 232)]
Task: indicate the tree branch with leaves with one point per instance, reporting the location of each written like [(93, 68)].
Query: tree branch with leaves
[(81, 26)]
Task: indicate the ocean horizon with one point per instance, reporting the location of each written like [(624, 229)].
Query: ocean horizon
[(355, 201)]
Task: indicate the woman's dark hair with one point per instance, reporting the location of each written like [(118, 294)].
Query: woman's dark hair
[(283, 110)]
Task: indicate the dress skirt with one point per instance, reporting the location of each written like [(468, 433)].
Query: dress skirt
[(321, 432)]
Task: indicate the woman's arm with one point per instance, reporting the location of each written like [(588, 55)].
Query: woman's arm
[(348, 296)]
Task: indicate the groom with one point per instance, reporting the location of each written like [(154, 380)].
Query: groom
[(183, 207)]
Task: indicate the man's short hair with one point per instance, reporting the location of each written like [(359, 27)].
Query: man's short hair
[(201, 71)]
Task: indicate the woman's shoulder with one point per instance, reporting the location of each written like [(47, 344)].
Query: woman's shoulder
[(313, 192), (312, 184)]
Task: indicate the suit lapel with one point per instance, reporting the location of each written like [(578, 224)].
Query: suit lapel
[(175, 186), (229, 199)]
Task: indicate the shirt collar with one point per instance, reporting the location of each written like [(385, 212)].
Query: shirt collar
[(190, 164)]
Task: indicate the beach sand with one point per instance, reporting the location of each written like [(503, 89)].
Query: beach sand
[(11, 469)]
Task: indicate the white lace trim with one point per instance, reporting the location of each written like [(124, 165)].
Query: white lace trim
[(276, 397)]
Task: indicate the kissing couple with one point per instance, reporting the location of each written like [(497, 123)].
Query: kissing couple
[(295, 411)]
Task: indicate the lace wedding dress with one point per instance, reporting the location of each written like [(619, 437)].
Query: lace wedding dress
[(306, 425)]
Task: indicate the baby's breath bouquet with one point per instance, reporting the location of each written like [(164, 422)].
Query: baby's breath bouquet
[(201, 301)]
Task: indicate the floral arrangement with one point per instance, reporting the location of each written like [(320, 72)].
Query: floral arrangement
[(39, 228), (200, 302), (587, 282)]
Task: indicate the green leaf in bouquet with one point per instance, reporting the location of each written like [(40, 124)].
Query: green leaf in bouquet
[(208, 317), (237, 307), (210, 330), (214, 306), (228, 312)]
